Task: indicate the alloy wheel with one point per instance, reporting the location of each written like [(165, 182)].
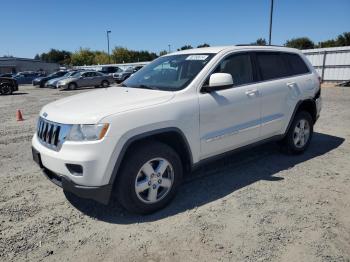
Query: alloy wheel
[(301, 133), (154, 180)]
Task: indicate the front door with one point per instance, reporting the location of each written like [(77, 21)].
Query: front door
[(230, 118)]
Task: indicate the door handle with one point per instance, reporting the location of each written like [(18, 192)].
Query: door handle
[(291, 84), (253, 92)]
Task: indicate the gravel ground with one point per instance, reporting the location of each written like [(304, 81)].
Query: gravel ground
[(258, 205)]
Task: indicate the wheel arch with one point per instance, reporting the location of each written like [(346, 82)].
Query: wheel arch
[(308, 105), (172, 136)]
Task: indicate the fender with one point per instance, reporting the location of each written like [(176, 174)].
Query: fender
[(135, 138)]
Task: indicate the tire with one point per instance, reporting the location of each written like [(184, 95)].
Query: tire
[(105, 84), (72, 86), (296, 142), (6, 89), (152, 196)]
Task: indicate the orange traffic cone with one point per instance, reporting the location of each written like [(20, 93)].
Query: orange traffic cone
[(19, 116)]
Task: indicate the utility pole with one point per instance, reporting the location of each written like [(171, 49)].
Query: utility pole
[(169, 48), (271, 13), (109, 56)]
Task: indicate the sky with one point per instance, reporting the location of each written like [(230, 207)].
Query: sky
[(32, 27)]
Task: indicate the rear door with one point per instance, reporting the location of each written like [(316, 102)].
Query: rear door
[(279, 90)]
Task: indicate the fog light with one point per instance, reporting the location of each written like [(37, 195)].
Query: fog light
[(76, 170)]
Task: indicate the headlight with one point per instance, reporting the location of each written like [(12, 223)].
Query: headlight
[(87, 132)]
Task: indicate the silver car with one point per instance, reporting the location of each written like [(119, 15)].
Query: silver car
[(85, 78), (53, 82)]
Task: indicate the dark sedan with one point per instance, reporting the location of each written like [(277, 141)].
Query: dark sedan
[(26, 77), (8, 85), (40, 81)]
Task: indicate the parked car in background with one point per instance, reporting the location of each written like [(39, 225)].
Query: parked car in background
[(8, 85), (125, 74), (40, 81), (53, 82), (136, 68), (7, 75), (26, 77), (85, 78), (110, 70)]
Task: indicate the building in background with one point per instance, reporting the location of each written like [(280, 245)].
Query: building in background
[(332, 64), (15, 65)]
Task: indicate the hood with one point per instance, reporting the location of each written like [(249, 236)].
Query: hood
[(39, 78), (57, 79), (91, 107)]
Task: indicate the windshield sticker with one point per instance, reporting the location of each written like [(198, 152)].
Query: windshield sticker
[(197, 57)]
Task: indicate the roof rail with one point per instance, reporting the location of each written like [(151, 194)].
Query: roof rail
[(259, 45)]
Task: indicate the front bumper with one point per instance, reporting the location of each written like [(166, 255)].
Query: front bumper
[(36, 83), (95, 168), (100, 194), (50, 85), (62, 86)]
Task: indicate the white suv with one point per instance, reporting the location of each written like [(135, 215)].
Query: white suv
[(179, 111)]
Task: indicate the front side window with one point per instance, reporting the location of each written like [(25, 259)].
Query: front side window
[(239, 66), (271, 65), (169, 73)]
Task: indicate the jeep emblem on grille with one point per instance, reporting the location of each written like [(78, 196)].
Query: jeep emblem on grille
[(45, 114)]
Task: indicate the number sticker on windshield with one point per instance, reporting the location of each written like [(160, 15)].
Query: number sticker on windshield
[(197, 57)]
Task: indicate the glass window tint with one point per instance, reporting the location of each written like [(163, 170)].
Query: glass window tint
[(272, 65), (239, 66), (296, 64)]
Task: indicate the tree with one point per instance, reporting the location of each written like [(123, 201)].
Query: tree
[(300, 43), (203, 45), (163, 52), (56, 56), (101, 58), (327, 43), (259, 41), (84, 56), (185, 47), (124, 55), (343, 40), (37, 57)]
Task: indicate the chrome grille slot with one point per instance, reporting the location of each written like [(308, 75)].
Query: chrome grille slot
[(51, 134)]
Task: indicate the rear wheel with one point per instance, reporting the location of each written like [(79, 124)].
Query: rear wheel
[(6, 89), (149, 178), (299, 134), (72, 86)]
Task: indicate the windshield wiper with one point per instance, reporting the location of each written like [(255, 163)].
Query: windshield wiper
[(141, 86), (146, 87)]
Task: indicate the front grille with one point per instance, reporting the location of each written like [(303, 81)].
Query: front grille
[(51, 134)]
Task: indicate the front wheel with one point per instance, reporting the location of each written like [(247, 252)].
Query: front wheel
[(149, 178), (299, 134), (105, 84), (72, 86), (6, 89)]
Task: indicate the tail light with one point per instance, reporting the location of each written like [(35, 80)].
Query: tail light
[(319, 82)]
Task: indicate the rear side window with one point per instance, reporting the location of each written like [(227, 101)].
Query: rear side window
[(271, 65), (239, 66), (296, 64)]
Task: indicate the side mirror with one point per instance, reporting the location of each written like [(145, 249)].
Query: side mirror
[(218, 81)]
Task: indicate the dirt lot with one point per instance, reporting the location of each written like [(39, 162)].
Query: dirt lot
[(258, 205)]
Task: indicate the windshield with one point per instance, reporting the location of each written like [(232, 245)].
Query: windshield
[(71, 73), (169, 73)]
